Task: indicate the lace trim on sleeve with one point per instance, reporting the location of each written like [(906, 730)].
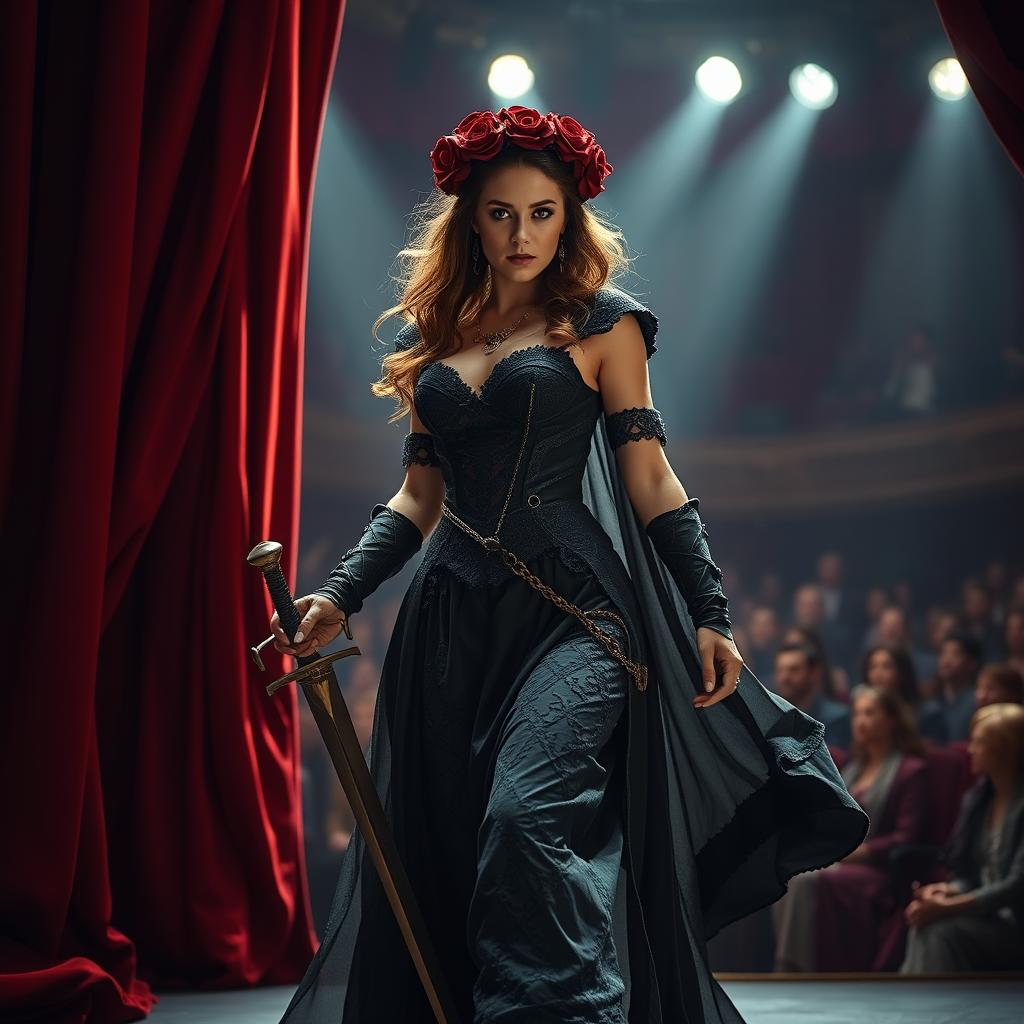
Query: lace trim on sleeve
[(635, 424), (419, 448), (608, 307), (407, 336)]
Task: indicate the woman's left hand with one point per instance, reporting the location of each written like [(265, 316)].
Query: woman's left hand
[(925, 909), (720, 667)]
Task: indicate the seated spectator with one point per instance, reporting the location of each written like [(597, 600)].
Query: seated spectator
[(762, 639), (1000, 683), (941, 621), (1013, 637), (975, 921), (979, 619), (833, 679), (798, 680), (893, 630), (891, 668), (809, 612), (830, 919), (960, 659)]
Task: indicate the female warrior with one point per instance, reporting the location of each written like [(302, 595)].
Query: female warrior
[(580, 794)]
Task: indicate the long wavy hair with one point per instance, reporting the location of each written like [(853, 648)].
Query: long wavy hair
[(442, 295), (906, 674), (905, 737)]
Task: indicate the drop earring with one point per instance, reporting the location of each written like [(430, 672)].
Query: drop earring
[(561, 255), (476, 254)]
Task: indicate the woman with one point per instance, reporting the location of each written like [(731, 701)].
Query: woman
[(829, 920), (975, 921), (892, 668), (580, 793)]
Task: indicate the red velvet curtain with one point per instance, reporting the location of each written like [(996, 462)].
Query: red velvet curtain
[(156, 189), (988, 40)]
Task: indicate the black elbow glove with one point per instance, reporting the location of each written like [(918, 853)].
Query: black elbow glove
[(388, 542), (678, 536)]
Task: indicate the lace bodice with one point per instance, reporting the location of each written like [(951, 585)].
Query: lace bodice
[(477, 439)]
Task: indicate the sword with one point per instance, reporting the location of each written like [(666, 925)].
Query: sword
[(315, 675)]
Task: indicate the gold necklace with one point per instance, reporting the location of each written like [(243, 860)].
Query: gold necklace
[(494, 339)]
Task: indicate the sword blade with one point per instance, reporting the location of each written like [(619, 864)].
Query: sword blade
[(331, 714)]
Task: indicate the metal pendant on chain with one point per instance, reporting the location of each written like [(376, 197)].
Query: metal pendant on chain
[(492, 341)]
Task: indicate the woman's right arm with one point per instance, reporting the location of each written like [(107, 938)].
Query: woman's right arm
[(421, 494), (395, 533)]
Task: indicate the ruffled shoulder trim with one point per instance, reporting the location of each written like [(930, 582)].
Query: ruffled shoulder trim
[(407, 336), (607, 308)]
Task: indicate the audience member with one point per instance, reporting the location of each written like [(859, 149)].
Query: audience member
[(1013, 637), (959, 661), (798, 679), (893, 630), (891, 668), (999, 683), (876, 600), (830, 583), (975, 921), (939, 623), (809, 612), (762, 639), (978, 617), (834, 681), (829, 919)]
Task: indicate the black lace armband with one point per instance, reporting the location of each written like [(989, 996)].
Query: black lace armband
[(419, 448), (634, 425)]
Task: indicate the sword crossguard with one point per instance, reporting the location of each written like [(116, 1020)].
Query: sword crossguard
[(312, 671)]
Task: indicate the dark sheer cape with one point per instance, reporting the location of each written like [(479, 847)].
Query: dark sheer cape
[(723, 806)]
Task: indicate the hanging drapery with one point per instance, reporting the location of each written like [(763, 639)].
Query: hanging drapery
[(158, 168)]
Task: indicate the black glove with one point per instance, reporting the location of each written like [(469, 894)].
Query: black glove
[(388, 542), (678, 537)]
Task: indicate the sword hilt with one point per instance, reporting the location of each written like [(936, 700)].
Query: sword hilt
[(266, 557)]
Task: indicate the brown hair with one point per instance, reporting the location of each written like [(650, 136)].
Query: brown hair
[(441, 294), (905, 737), (1008, 678)]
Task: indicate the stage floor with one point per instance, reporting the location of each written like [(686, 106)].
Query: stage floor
[(900, 1001)]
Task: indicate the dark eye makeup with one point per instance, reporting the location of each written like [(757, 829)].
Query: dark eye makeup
[(500, 209)]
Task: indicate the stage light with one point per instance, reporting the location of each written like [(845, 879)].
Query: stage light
[(719, 79), (510, 76), (813, 86), (948, 80)]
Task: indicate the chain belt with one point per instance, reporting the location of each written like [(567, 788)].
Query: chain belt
[(637, 671)]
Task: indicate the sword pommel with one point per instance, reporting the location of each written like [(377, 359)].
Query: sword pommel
[(266, 557)]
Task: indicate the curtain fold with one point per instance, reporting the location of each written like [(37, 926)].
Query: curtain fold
[(157, 186), (988, 39)]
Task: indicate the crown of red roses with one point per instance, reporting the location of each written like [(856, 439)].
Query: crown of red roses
[(483, 134)]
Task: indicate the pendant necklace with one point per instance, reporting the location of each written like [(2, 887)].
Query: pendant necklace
[(493, 340)]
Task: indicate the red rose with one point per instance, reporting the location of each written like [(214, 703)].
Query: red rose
[(594, 171), (480, 135), (449, 166), (527, 127), (572, 140)]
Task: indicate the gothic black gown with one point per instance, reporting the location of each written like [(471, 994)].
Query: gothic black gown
[(717, 809)]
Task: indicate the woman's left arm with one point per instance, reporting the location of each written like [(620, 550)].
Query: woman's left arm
[(637, 433)]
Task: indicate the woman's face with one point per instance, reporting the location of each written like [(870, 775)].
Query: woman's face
[(869, 722), (881, 671), (520, 210)]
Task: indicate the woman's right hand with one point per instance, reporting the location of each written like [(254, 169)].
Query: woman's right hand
[(932, 889), (320, 622)]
